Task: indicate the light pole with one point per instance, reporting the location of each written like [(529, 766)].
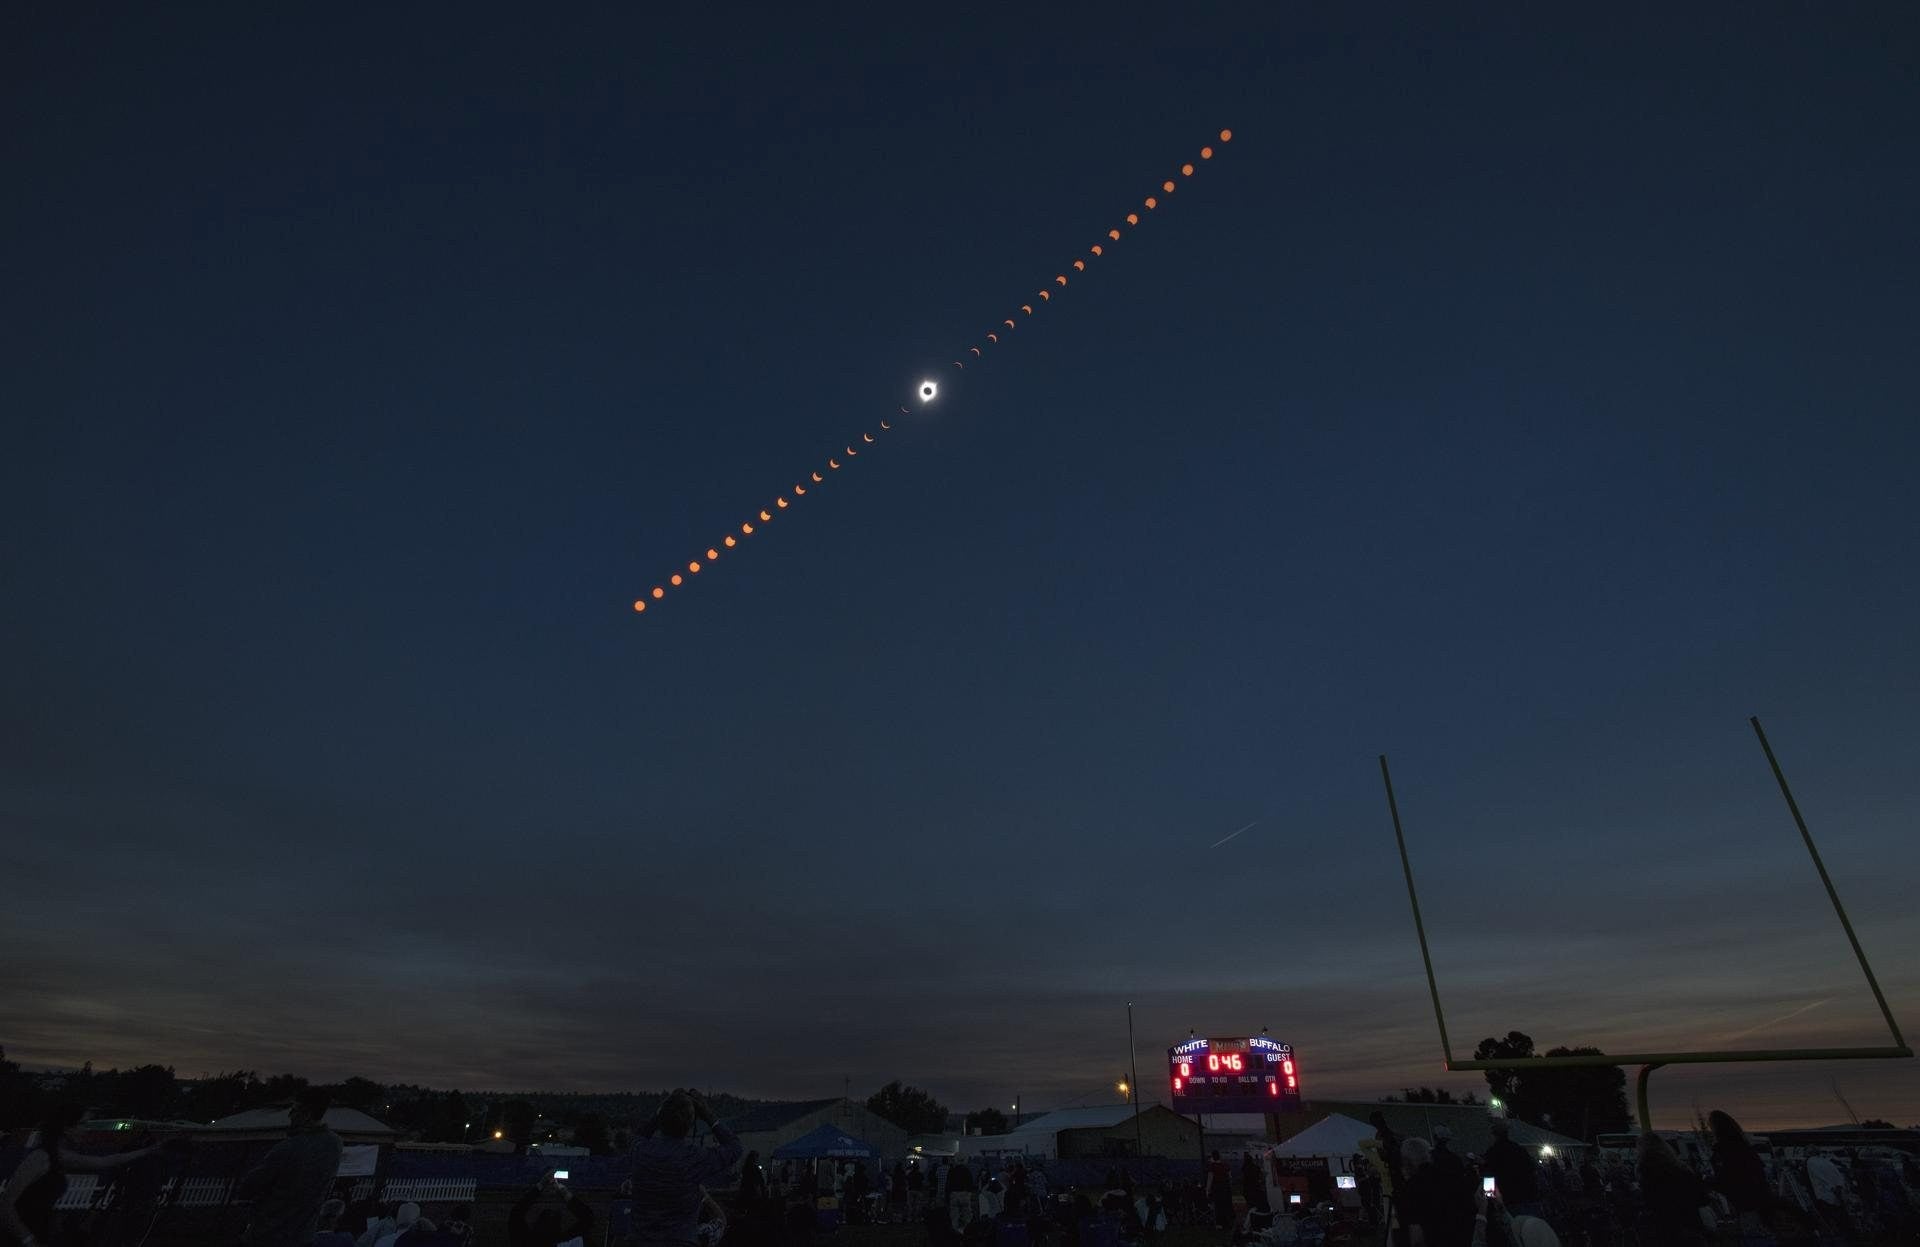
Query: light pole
[(1133, 1066)]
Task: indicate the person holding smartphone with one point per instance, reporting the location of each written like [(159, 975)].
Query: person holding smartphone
[(549, 1227), (1513, 1170), (671, 1172)]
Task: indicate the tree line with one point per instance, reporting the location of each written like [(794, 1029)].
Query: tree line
[(603, 1122)]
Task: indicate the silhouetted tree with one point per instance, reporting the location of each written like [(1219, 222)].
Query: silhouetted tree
[(1505, 1083), (517, 1118), (1427, 1095), (450, 1124), (361, 1093), (909, 1108), (590, 1131), (146, 1091), (987, 1121), (1584, 1101), (19, 1097), (223, 1095), (282, 1088)]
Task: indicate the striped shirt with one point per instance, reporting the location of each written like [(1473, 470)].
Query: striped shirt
[(668, 1175)]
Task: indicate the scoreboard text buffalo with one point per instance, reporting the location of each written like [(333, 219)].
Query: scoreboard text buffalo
[(1255, 1075)]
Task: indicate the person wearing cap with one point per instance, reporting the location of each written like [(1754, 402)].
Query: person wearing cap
[(1447, 1161), (1436, 1210), (406, 1220), (1512, 1169)]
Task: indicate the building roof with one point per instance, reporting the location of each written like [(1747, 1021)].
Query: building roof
[(765, 1117), (1468, 1122), (1099, 1117), (342, 1121)]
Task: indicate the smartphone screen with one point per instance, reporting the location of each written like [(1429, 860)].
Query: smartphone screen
[(560, 1175), (1486, 1184)]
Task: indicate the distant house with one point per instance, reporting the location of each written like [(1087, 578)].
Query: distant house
[(255, 1124), (767, 1126), (943, 1146)]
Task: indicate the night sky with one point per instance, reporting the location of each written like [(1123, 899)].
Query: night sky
[(1528, 402)]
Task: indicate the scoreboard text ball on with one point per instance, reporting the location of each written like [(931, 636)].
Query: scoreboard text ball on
[(1255, 1075)]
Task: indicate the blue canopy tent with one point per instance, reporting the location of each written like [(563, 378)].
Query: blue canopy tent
[(825, 1141)]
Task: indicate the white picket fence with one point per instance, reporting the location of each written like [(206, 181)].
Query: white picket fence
[(428, 1191), (84, 1190), (80, 1192), (196, 1192)]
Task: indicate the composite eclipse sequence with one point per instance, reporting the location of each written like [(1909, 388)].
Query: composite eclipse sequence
[(926, 392)]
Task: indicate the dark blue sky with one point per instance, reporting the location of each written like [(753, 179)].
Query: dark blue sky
[(1530, 402)]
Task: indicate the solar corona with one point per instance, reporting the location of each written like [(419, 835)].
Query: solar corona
[(928, 389)]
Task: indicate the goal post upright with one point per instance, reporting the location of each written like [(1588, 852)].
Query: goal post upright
[(1651, 1061)]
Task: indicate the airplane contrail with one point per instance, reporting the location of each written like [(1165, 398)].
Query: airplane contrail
[(1782, 1018), (1222, 840)]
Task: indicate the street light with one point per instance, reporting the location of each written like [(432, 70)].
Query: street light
[(1125, 1091)]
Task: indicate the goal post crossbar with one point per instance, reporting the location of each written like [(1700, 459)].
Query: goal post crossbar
[(1650, 1061)]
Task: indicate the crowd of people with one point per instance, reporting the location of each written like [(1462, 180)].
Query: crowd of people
[(1429, 1196), (1413, 1192)]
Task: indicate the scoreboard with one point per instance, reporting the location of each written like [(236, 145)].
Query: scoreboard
[(1254, 1075)]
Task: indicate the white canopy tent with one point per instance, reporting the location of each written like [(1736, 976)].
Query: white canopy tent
[(1335, 1137)]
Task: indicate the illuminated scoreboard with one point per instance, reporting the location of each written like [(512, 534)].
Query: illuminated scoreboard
[(1256, 1075)]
